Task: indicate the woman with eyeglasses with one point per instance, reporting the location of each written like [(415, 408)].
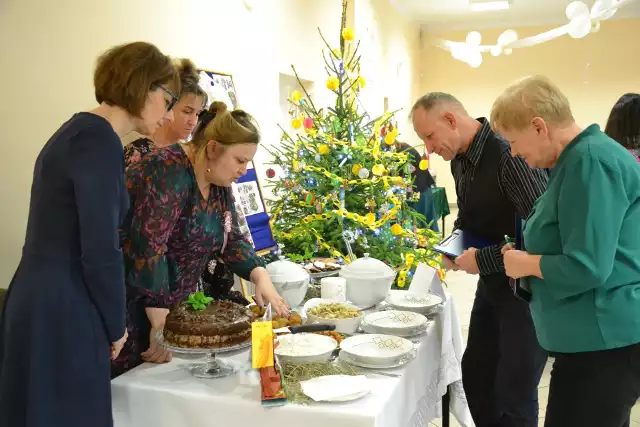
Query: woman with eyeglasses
[(64, 315), (182, 214), (185, 117)]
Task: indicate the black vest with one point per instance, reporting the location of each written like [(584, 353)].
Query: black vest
[(487, 211)]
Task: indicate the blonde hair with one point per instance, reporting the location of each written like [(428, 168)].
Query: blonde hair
[(225, 127), (530, 97)]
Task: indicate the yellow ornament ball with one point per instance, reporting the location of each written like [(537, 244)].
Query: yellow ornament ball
[(370, 218), (348, 33), (296, 96), (390, 138), (333, 83), (424, 164), (323, 149), (409, 259), (356, 168), (296, 123), (396, 229), (378, 169)]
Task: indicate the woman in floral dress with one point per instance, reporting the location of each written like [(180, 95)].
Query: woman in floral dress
[(218, 278), (182, 214)]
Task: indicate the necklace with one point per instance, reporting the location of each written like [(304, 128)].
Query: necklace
[(227, 217)]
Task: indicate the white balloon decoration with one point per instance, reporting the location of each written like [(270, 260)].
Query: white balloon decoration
[(582, 21), (474, 38), (576, 10), (475, 59), (507, 36), (496, 50), (579, 27), (603, 10)]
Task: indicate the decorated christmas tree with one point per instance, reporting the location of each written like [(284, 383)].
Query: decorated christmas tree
[(345, 188)]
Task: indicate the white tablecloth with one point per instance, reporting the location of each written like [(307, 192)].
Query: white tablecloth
[(168, 396)]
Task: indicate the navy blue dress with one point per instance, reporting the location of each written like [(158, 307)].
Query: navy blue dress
[(66, 302)]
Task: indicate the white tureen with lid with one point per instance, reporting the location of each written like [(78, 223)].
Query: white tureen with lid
[(368, 281), (290, 280)]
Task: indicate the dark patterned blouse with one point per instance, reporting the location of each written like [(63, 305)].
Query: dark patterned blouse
[(170, 234), (136, 150)]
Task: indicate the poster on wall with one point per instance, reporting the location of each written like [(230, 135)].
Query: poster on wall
[(250, 202), (219, 87), (253, 220)]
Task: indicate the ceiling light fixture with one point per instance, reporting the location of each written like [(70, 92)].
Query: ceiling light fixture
[(488, 6)]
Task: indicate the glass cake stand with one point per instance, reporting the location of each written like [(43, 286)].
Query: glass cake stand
[(212, 367)]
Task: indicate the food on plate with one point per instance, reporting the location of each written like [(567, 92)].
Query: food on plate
[(334, 311), (217, 325), (278, 322), (322, 265), (333, 334)]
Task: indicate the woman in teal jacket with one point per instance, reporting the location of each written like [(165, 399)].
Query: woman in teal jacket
[(582, 258)]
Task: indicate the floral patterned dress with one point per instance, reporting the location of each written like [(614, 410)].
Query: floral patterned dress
[(136, 150), (168, 237)]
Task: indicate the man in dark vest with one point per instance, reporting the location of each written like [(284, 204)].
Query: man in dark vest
[(503, 362)]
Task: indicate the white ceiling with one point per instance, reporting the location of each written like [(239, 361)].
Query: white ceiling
[(455, 14)]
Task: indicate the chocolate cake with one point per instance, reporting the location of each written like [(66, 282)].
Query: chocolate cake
[(220, 324)]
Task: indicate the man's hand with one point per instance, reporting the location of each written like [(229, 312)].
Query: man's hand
[(467, 261), (449, 263), (507, 247)]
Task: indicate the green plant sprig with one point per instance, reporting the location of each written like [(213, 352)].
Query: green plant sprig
[(199, 301)]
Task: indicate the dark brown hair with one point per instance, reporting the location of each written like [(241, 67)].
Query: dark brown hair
[(624, 121), (225, 127), (125, 75), (189, 79)]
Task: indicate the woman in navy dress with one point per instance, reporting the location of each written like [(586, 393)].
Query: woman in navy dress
[(64, 316)]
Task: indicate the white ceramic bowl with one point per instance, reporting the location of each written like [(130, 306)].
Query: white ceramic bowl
[(344, 326), (368, 281), (293, 292), (290, 280), (377, 349), (305, 348)]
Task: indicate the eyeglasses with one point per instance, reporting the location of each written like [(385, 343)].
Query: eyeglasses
[(174, 98)]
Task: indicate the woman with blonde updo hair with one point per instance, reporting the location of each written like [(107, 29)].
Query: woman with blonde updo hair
[(182, 215)]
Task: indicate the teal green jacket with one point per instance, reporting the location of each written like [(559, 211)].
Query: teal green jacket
[(586, 226)]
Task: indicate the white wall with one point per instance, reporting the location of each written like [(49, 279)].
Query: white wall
[(48, 51)]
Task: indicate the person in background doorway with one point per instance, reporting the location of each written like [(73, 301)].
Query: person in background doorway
[(185, 117), (64, 316), (422, 183), (181, 213), (503, 361), (582, 258), (623, 125)]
